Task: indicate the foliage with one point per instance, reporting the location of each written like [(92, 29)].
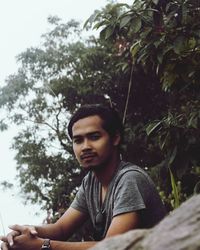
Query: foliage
[(52, 81), (46, 171), (145, 63), (175, 190), (162, 40)]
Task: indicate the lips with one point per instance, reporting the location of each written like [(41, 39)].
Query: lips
[(87, 156)]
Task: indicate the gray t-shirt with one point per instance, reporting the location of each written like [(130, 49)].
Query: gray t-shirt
[(131, 189)]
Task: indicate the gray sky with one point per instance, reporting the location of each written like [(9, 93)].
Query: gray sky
[(22, 22)]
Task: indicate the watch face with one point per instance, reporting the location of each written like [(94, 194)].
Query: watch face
[(46, 244)]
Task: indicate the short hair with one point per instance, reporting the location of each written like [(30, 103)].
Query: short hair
[(110, 117)]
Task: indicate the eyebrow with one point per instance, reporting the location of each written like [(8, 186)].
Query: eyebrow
[(88, 134)]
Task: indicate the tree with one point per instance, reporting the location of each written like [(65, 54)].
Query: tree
[(52, 81), (162, 39), (145, 63), (32, 99)]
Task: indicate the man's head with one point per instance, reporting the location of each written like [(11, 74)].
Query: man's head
[(96, 132), (111, 120)]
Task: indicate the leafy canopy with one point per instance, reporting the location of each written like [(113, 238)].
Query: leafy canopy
[(145, 63)]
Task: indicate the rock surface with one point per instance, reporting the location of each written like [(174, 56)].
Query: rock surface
[(180, 230)]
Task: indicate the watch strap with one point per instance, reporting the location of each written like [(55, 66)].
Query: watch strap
[(46, 245)]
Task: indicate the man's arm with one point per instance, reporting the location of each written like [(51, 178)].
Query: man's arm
[(123, 223), (120, 224), (61, 230), (64, 227), (27, 242)]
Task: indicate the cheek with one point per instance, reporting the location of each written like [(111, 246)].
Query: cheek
[(105, 147), (76, 151)]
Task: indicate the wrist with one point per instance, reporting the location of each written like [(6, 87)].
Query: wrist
[(46, 245)]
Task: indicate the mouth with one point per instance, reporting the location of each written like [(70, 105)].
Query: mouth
[(88, 157)]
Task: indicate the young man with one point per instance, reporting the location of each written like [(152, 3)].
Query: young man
[(116, 196)]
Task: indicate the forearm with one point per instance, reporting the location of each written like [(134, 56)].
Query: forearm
[(49, 231), (26, 242), (58, 245), (63, 228)]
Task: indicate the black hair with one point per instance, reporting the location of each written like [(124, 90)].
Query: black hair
[(110, 117)]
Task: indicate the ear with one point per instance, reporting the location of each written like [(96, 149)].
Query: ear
[(116, 139)]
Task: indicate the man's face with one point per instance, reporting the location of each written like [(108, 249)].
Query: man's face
[(92, 145)]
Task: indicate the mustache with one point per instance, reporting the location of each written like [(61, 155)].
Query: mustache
[(87, 154)]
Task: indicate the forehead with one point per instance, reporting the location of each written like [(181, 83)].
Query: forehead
[(87, 125)]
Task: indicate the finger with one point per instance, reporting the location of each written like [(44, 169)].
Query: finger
[(3, 238), (4, 246), (33, 230), (34, 233), (24, 229), (11, 236), (17, 227)]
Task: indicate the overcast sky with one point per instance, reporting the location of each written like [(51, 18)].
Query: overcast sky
[(22, 22)]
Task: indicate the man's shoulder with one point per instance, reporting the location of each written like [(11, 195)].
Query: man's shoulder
[(130, 169), (128, 166), (88, 179)]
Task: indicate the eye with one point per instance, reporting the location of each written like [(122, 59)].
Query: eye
[(95, 137), (77, 140)]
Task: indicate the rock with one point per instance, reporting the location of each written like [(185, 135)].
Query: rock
[(180, 230)]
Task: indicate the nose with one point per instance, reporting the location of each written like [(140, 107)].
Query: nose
[(86, 145)]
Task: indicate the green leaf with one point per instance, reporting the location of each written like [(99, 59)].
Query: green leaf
[(103, 34), (92, 18), (157, 43), (175, 190), (125, 67), (99, 24), (3, 126), (136, 24), (108, 32), (197, 33), (150, 129), (193, 121), (167, 48), (146, 32), (160, 57), (123, 5), (163, 142), (168, 80), (192, 43), (179, 44), (134, 48), (155, 1), (124, 21), (197, 188), (173, 155)]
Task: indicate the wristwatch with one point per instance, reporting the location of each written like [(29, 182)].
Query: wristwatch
[(46, 245)]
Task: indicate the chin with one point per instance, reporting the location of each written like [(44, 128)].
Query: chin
[(91, 166)]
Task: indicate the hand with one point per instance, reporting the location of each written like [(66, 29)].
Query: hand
[(16, 231), (7, 239), (21, 237), (26, 241), (4, 246)]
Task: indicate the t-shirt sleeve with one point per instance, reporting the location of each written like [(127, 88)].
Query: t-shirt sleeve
[(79, 203), (130, 193)]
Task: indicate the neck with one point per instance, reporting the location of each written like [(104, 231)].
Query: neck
[(105, 174)]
